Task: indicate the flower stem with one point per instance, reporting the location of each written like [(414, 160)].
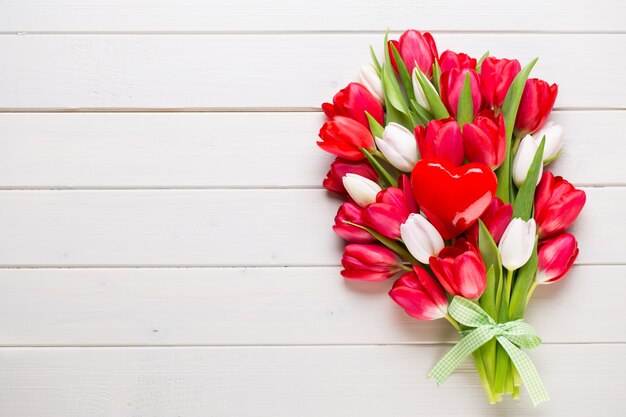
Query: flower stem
[(509, 285), (453, 322), (533, 286)]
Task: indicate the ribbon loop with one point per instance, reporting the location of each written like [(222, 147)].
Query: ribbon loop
[(484, 328)]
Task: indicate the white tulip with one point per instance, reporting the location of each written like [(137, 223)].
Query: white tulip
[(517, 243), (421, 238), (372, 82), (399, 147), (554, 139), (362, 190), (420, 97), (524, 159)]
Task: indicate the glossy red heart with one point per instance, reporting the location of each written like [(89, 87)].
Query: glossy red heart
[(452, 198)]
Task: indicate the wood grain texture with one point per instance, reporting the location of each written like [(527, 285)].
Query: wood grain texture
[(284, 15), (216, 228), (265, 71), (265, 306), (341, 381), (221, 150)]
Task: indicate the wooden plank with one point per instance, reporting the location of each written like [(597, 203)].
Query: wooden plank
[(216, 227), (343, 381), (264, 71), (350, 15), (152, 150), (265, 306)]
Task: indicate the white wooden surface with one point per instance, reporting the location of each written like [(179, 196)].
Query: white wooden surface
[(165, 246)]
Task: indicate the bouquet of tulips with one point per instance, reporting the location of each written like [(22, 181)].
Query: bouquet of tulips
[(441, 159)]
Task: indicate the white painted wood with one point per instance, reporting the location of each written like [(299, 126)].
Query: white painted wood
[(95, 150), (265, 71), (216, 227), (266, 306), (247, 15), (343, 381)]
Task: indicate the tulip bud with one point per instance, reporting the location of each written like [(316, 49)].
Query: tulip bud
[(557, 204), (517, 243), (452, 83), (369, 262), (391, 209), (441, 139), (372, 82), (450, 59), (340, 167), (362, 190), (421, 238), (345, 137), (399, 147), (496, 76), (535, 106), (353, 102), (485, 140), (554, 139), (556, 257), (350, 212), (524, 159), (461, 270), (420, 295), (418, 49), (420, 96)]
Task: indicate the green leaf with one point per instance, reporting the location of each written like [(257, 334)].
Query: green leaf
[(393, 94), (552, 159), (436, 105), (384, 174), (394, 245), (417, 119), (509, 110), (375, 62), (523, 204), (523, 281), (375, 127), (491, 258), (465, 110), (436, 75), (404, 73), (419, 109), (480, 61)]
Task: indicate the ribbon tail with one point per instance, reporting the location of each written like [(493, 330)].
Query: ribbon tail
[(527, 371)]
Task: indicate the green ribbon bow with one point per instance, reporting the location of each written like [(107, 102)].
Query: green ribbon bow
[(510, 335)]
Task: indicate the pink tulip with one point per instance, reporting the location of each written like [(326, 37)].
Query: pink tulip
[(441, 139), (496, 218), (345, 137), (417, 48), (388, 212), (353, 101), (404, 183), (556, 257), (350, 212), (450, 59), (537, 101), (420, 295), (340, 167), (452, 82), (369, 262), (557, 204), (460, 269), (485, 140), (496, 76)]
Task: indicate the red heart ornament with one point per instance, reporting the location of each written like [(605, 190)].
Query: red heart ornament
[(452, 198)]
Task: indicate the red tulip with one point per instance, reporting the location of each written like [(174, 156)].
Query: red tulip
[(369, 262), (557, 204), (388, 212), (420, 295), (344, 137), (556, 257), (496, 218), (460, 269), (441, 139), (537, 101), (354, 214), (496, 76), (407, 191), (449, 60), (340, 167), (417, 48), (485, 140), (392, 57), (452, 84), (353, 101)]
